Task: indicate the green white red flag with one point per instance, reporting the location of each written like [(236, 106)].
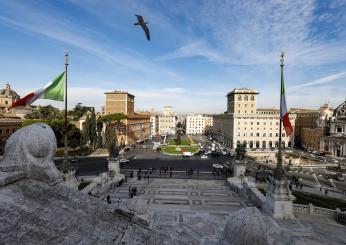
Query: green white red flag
[(283, 110), (54, 90)]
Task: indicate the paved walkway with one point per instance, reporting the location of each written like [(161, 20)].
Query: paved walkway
[(317, 191)]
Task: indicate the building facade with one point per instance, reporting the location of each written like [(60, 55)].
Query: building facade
[(167, 124), (243, 122), (154, 125), (197, 124), (136, 127), (335, 143), (8, 125), (119, 102), (310, 119)]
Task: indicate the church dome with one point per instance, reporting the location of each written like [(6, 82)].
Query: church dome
[(9, 92)]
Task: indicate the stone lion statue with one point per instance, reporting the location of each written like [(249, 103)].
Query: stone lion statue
[(32, 149)]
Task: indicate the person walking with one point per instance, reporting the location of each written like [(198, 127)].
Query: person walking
[(109, 199), (326, 192)]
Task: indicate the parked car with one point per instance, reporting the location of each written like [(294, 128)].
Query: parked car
[(339, 177), (204, 156)]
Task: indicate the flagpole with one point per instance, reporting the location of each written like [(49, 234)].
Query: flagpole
[(65, 124), (279, 171)]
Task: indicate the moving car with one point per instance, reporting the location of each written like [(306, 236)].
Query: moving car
[(217, 166), (187, 154), (124, 160)]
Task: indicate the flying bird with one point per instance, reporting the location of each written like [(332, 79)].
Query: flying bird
[(143, 25)]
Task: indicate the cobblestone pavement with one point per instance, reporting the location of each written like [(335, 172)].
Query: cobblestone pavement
[(193, 209)]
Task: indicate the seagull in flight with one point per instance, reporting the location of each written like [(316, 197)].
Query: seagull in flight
[(143, 25)]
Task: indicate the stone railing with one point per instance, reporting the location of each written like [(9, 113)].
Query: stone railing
[(247, 190), (102, 184), (310, 209)]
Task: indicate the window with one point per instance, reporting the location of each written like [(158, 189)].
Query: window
[(238, 111), (245, 111), (252, 98), (246, 98), (0, 131), (264, 134), (251, 134), (257, 134), (251, 123), (270, 134), (257, 123), (245, 105), (239, 98), (251, 105), (264, 123), (6, 102), (277, 134), (238, 134), (283, 134)]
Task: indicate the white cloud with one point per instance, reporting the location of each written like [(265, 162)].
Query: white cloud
[(323, 80)]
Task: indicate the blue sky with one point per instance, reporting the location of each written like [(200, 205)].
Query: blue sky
[(199, 50)]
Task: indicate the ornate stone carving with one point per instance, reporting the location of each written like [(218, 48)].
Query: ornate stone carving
[(32, 149)]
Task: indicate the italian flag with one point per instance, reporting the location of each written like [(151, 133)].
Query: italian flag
[(54, 90), (283, 110)]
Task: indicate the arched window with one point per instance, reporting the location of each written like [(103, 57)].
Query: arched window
[(252, 98), (246, 98), (239, 97), (264, 145)]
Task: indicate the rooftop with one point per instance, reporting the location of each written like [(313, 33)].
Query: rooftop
[(119, 92), (243, 91)]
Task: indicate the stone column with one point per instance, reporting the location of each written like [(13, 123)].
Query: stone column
[(279, 200), (113, 167)]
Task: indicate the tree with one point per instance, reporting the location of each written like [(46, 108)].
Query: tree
[(85, 131), (48, 113), (99, 126), (112, 122), (111, 142), (78, 111), (92, 129), (178, 134)]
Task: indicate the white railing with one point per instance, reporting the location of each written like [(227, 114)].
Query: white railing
[(310, 209)]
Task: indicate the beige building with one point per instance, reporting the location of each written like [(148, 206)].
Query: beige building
[(309, 119), (197, 124), (134, 129), (119, 102), (167, 122), (311, 138), (244, 122), (335, 143)]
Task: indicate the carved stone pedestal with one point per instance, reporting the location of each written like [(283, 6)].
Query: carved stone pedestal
[(113, 167), (279, 200)]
